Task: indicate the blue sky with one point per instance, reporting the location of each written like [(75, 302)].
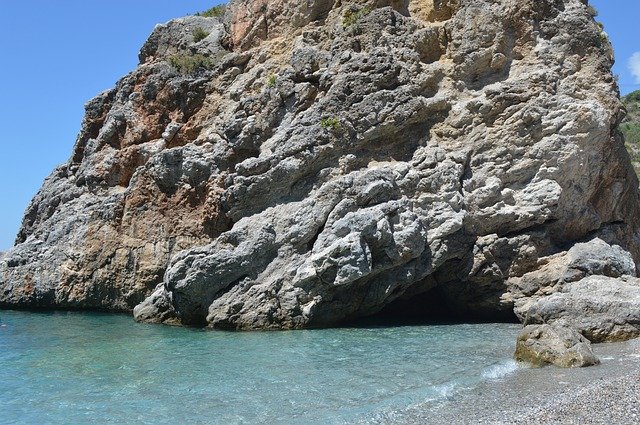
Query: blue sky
[(620, 19), (59, 54)]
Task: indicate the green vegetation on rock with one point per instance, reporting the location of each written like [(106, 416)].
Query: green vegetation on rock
[(199, 34), (190, 63), (214, 12), (331, 123), (351, 17), (272, 80)]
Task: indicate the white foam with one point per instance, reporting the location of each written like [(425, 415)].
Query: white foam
[(446, 390), (499, 370)]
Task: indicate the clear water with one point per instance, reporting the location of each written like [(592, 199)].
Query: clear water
[(96, 368)]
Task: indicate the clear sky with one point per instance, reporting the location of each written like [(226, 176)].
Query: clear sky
[(58, 54)]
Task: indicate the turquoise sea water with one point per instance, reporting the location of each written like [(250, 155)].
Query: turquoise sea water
[(81, 368)]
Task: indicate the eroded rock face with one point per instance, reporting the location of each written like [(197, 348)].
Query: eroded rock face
[(330, 158), (101, 231)]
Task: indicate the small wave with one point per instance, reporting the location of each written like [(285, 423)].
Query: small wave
[(446, 390), (500, 369), (442, 392)]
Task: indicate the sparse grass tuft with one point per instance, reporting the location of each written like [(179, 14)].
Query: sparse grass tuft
[(214, 12), (199, 34), (190, 63), (330, 123), (604, 38), (272, 80), (351, 17)]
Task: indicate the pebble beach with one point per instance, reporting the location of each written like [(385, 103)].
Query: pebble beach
[(604, 394), (602, 402)]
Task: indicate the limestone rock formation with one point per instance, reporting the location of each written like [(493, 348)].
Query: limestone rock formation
[(552, 344), (308, 163)]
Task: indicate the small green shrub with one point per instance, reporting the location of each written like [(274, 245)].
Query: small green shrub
[(214, 12), (592, 11), (631, 131), (272, 80), (199, 34), (330, 123), (190, 63), (604, 38), (351, 17), (632, 97)]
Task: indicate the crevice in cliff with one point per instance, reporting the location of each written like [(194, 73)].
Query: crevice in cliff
[(539, 227), (431, 307), (603, 232), (437, 305)]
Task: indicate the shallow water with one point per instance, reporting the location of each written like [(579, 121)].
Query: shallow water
[(97, 368)]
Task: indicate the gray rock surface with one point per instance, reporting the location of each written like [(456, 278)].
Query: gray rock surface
[(595, 257), (603, 309), (177, 37), (554, 344), (308, 163)]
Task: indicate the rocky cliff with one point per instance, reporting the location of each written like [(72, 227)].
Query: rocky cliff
[(300, 164)]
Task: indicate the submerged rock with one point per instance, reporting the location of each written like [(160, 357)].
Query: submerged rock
[(554, 344), (309, 163)]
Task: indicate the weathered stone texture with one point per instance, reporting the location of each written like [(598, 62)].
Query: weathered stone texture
[(552, 344), (335, 157), (602, 308)]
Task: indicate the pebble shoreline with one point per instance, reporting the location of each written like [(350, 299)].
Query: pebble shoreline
[(605, 394), (604, 402)]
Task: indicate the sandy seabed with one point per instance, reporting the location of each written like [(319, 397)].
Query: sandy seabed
[(604, 394)]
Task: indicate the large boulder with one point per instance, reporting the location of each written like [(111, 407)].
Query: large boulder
[(308, 163), (591, 287), (601, 308), (554, 344), (592, 258)]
